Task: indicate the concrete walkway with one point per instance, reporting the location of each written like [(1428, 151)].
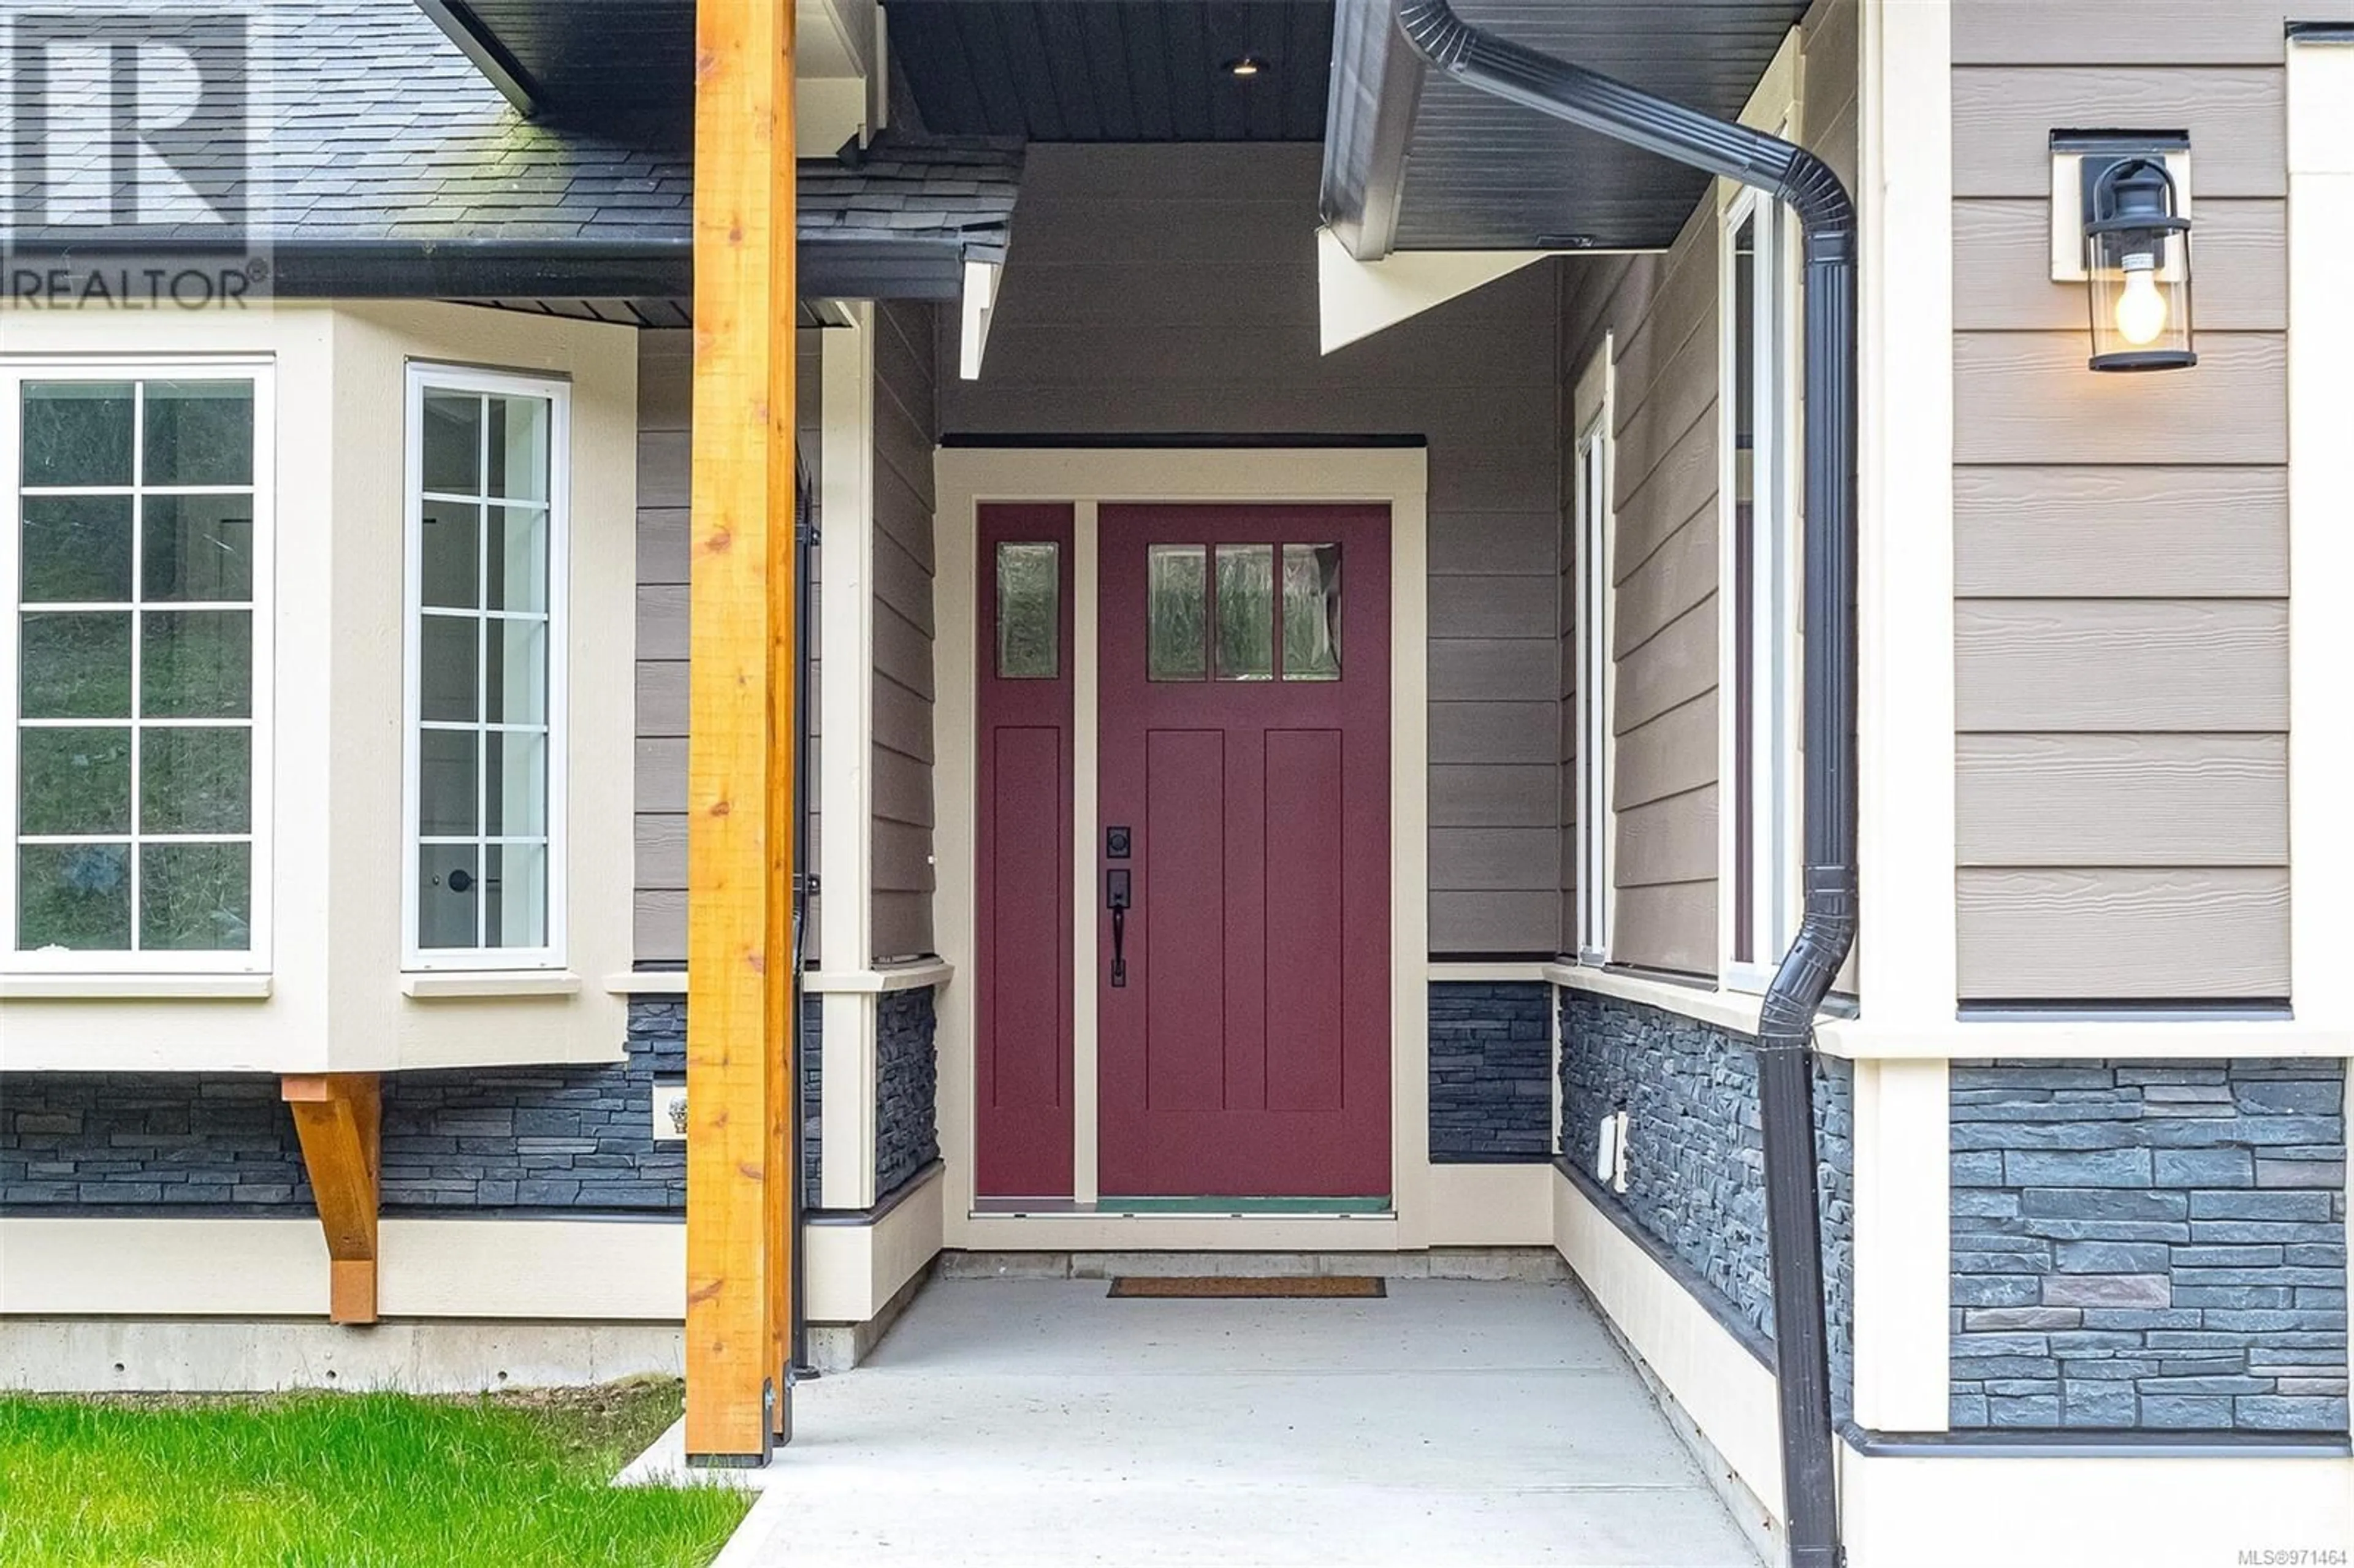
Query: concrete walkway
[(1035, 1424)]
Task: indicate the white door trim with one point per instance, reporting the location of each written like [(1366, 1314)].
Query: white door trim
[(966, 477)]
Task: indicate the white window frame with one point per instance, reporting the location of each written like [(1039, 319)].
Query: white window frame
[(442, 377), (14, 371), (1593, 524), (1772, 738)]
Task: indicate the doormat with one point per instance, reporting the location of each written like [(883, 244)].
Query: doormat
[(1231, 1287)]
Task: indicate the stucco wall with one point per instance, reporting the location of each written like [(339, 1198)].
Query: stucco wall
[(334, 766)]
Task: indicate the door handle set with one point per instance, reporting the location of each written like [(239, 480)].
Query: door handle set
[(1117, 896)]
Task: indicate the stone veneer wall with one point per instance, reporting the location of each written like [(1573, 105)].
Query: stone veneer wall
[(906, 1087), (1490, 1072), (567, 1139), (1695, 1159), (2149, 1244), (658, 1024)]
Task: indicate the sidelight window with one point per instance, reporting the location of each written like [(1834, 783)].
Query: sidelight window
[(1761, 413), (1591, 518), (486, 622), (1029, 611), (137, 701)]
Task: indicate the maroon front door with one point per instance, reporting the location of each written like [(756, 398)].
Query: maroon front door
[(1243, 1043)]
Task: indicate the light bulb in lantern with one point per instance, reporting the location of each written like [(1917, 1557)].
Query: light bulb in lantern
[(2141, 309)]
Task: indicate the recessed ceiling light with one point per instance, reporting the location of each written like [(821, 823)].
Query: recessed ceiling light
[(1243, 66)]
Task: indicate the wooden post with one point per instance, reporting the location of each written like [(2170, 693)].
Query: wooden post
[(741, 733), (336, 1117)]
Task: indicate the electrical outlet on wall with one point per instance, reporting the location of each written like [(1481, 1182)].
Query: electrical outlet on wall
[(669, 1113)]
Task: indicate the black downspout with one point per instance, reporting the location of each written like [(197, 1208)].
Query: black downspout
[(805, 541), (1827, 930)]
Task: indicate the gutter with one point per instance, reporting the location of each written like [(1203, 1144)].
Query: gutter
[(1827, 930), (1376, 91), (657, 267)]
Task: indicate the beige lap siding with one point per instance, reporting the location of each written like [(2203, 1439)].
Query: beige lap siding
[(1663, 313), (665, 384), (906, 431), (2121, 559), (1171, 290)]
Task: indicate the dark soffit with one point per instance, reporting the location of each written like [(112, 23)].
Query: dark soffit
[(1481, 174), (1116, 70), (619, 67)]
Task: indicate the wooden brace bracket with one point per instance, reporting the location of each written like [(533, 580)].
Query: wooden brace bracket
[(337, 1116)]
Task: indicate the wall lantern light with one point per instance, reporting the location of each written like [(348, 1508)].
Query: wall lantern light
[(2122, 202)]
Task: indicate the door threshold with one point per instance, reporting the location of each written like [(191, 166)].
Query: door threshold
[(1188, 1208)]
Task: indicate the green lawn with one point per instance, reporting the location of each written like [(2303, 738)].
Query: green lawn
[(348, 1480)]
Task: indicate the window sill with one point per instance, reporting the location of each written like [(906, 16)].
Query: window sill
[(434, 985), (884, 978), (648, 982), (1726, 1009), (134, 988)]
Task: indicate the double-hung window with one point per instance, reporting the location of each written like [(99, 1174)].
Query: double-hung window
[(1591, 522), (135, 744), (486, 746), (1760, 401)]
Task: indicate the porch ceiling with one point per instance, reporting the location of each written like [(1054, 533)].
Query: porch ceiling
[(1469, 172), (1117, 70)]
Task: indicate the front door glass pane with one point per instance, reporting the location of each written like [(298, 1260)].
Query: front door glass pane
[(1245, 612), (1311, 612), (1176, 590)]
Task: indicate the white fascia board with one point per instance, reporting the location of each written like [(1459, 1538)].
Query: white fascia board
[(834, 86), (829, 111), (833, 37), (1357, 299), (979, 310)]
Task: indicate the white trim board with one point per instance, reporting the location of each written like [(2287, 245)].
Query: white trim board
[(1905, 843), (1870, 1038), (1356, 299), (2153, 1511), (846, 633), (604, 1269), (212, 1266), (2321, 542), (855, 1270), (1396, 477), (1726, 1391), (845, 775)]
